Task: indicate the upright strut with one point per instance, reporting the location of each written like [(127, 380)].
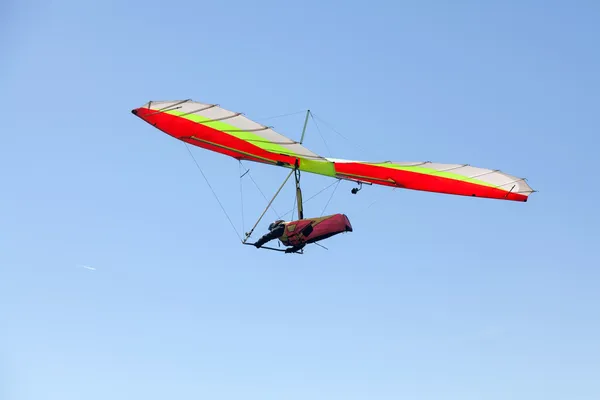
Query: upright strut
[(298, 192)]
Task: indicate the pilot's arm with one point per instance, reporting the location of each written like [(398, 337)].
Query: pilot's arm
[(274, 234)]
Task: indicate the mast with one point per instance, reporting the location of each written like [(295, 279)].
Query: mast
[(305, 123), (297, 173)]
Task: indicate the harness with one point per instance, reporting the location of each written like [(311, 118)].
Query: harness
[(289, 238), (292, 236)]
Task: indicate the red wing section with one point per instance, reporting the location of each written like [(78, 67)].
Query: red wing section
[(407, 179)]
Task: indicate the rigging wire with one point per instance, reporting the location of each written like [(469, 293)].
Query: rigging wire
[(320, 134), (242, 195), (212, 190), (330, 197), (338, 133), (385, 195), (262, 193), (294, 208), (313, 196), (320, 245), (280, 116)]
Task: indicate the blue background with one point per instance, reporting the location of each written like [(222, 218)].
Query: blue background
[(431, 296)]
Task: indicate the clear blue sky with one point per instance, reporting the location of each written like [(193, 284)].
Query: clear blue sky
[(430, 297)]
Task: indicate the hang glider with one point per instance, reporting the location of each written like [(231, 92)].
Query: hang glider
[(214, 128)]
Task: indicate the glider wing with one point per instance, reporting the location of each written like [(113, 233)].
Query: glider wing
[(214, 128)]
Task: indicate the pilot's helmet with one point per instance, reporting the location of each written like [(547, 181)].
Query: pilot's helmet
[(274, 224)]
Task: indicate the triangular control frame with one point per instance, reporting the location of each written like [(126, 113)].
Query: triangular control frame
[(296, 172)]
